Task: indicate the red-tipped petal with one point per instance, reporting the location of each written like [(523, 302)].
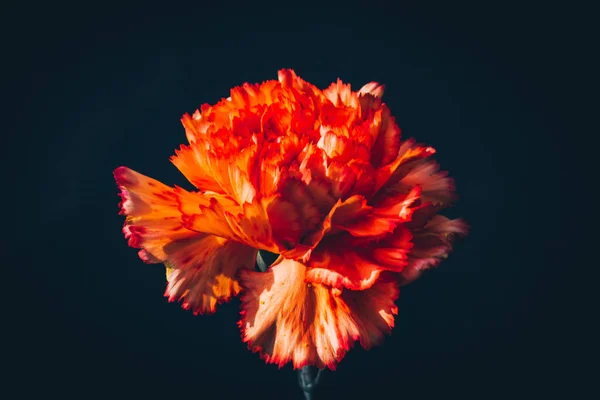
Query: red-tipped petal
[(153, 219), (385, 215), (354, 263), (201, 267), (288, 320), (202, 271)]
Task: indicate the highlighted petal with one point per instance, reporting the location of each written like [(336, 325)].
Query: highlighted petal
[(209, 172), (196, 169), (288, 320), (372, 88), (202, 271), (341, 94)]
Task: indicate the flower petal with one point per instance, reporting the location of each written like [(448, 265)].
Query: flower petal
[(372, 88), (385, 215), (408, 151), (341, 94), (196, 170), (436, 186), (272, 223), (153, 220), (202, 271), (209, 172), (387, 143), (201, 268), (355, 263), (431, 243), (288, 320), (339, 146)]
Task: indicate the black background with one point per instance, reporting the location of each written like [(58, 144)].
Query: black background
[(93, 87)]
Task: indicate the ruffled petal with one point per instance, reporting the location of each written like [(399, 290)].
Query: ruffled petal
[(354, 263), (208, 171), (249, 95), (339, 146), (431, 244), (341, 212), (201, 268), (153, 219), (196, 170), (384, 216), (372, 88), (304, 216), (408, 151), (347, 179), (201, 271), (386, 146), (341, 94), (436, 186), (288, 320), (272, 223)]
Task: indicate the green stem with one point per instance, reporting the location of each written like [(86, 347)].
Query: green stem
[(308, 380)]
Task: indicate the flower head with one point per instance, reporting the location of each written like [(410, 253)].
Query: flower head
[(319, 177)]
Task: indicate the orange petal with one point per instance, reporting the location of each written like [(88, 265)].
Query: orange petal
[(197, 171), (341, 94), (271, 224), (209, 172), (195, 126), (212, 219), (153, 219), (288, 320), (201, 267), (289, 79), (202, 271)]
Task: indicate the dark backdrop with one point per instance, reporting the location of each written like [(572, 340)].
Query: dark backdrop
[(93, 87)]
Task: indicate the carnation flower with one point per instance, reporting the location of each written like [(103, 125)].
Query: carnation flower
[(319, 178)]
